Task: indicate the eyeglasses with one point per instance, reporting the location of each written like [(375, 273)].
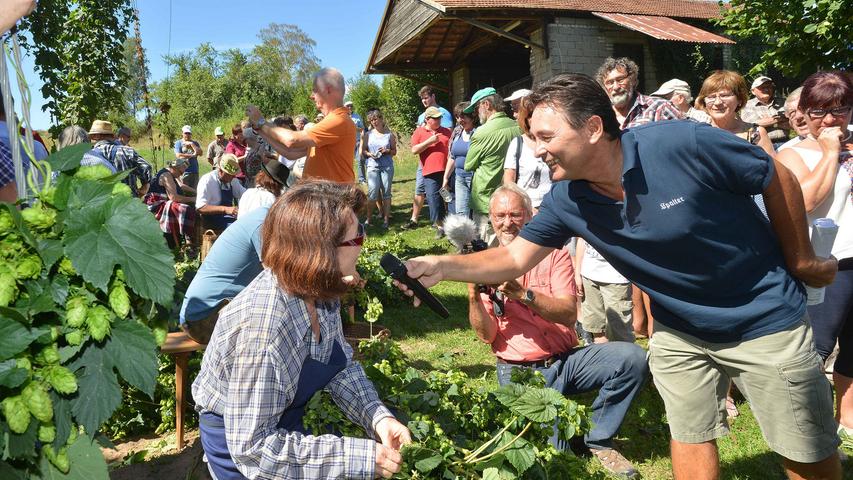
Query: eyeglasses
[(358, 240), (837, 112), (722, 97), (515, 217)]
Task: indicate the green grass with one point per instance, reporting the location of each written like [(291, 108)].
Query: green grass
[(428, 339)]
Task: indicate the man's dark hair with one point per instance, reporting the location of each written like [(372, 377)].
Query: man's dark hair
[(577, 96), (425, 90)]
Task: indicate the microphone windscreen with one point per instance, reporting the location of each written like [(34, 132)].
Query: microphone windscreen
[(460, 230)]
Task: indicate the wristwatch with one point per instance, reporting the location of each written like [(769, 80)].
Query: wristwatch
[(529, 296)]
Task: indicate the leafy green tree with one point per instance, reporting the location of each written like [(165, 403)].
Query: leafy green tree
[(286, 54), (77, 45), (401, 103), (364, 93), (800, 37)]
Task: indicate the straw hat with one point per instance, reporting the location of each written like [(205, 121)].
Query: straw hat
[(228, 164), (101, 127)]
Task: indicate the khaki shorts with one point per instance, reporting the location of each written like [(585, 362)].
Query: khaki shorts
[(779, 374), (607, 308)]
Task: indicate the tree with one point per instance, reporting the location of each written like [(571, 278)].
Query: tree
[(401, 103), (286, 53), (364, 94), (77, 45), (800, 37)]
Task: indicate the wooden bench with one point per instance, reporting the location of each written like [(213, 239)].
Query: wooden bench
[(179, 345)]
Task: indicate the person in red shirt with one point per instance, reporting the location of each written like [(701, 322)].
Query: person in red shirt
[(431, 142), (530, 323)]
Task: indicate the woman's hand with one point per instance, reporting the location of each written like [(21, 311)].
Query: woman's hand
[(393, 436), (579, 286), (830, 139)]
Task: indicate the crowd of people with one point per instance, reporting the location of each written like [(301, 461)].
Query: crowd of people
[(609, 215)]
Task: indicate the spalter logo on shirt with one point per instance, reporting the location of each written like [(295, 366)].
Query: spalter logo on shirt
[(671, 203)]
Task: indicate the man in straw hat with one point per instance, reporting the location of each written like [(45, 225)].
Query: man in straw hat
[(218, 193), (118, 157)]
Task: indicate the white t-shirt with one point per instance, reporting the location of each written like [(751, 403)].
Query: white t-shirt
[(533, 176), (596, 268), (255, 198), (209, 188)]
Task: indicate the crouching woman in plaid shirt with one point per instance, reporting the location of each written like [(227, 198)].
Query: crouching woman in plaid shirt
[(280, 341)]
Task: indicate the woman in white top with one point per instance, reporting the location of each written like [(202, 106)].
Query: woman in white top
[(269, 183), (824, 166)]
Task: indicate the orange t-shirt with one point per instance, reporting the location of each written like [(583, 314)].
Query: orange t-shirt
[(332, 158)]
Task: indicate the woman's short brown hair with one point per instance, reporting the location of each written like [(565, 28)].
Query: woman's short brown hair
[(722, 80), (267, 183), (827, 89), (301, 235)]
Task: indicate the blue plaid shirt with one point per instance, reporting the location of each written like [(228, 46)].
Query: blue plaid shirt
[(650, 109), (249, 375), (126, 158), (7, 167)]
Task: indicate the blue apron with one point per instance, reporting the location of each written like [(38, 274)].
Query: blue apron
[(222, 221), (315, 375)]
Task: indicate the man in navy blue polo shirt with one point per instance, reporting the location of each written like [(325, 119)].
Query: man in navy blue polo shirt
[(669, 206)]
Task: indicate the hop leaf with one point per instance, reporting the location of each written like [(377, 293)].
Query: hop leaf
[(6, 222), (39, 217), (75, 311), (17, 415), (98, 319), (74, 337), (66, 268), (38, 401), (121, 189), (119, 300), (48, 355), (61, 379), (93, 172), (47, 433)]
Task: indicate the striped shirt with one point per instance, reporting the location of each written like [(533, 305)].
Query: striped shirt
[(650, 109), (249, 375), (126, 158)]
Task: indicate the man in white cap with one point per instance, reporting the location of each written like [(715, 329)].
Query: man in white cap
[(359, 128), (216, 148), (678, 93), (188, 149), (766, 110)]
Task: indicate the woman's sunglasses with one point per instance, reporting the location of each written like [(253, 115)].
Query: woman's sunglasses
[(358, 240)]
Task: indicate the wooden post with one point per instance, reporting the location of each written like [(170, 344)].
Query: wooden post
[(181, 362)]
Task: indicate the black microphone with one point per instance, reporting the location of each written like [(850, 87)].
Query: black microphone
[(395, 268)]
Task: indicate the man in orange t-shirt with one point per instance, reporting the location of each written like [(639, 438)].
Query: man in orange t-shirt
[(328, 144)]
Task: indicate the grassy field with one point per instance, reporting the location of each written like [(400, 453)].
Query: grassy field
[(644, 437)]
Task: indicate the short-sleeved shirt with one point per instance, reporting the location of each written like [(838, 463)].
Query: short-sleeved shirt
[(486, 156), (687, 233), (531, 172), (232, 263), (331, 159), (215, 150), (124, 158), (433, 158), (193, 161), (210, 189), (522, 334), (646, 109), (754, 110), (446, 118)]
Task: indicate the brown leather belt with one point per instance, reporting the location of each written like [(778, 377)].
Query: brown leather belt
[(544, 363)]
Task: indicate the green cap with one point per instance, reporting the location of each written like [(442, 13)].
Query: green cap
[(479, 95)]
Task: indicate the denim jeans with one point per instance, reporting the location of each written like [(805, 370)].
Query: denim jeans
[(432, 184), (379, 177), (463, 192), (617, 369), (419, 180)]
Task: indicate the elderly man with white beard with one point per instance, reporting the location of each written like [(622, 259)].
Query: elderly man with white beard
[(619, 77)]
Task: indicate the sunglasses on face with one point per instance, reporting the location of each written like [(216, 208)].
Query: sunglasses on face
[(358, 240), (837, 112)]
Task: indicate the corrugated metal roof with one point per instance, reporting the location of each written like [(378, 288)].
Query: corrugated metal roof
[(662, 28), (703, 9)]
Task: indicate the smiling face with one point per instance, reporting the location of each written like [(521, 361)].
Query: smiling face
[(559, 145), (764, 92), (722, 105), (508, 216), (619, 87), (433, 123)]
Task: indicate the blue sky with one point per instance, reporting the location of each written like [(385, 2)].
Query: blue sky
[(344, 32)]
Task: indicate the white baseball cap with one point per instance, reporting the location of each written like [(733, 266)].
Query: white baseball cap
[(674, 85), (518, 94), (760, 81), (347, 103), (186, 129)]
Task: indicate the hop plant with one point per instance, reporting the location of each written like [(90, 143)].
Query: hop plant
[(75, 311), (66, 268), (98, 320), (93, 172), (6, 222), (119, 300), (28, 267), (17, 414), (8, 286), (39, 217), (37, 400), (120, 189)]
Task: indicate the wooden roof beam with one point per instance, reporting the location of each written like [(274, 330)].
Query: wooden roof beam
[(486, 26)]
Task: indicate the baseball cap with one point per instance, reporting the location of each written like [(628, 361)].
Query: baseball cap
[(186, 129), (178, 162), (479, 95), (228, 164), (518, 94), (432, 112), (760, 81), (347, 103), (674, 85), (219, 131)]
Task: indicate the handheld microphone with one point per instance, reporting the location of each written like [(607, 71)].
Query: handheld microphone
[(395, 268)]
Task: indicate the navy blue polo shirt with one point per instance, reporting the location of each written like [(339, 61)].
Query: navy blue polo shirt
[(688, 232)]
